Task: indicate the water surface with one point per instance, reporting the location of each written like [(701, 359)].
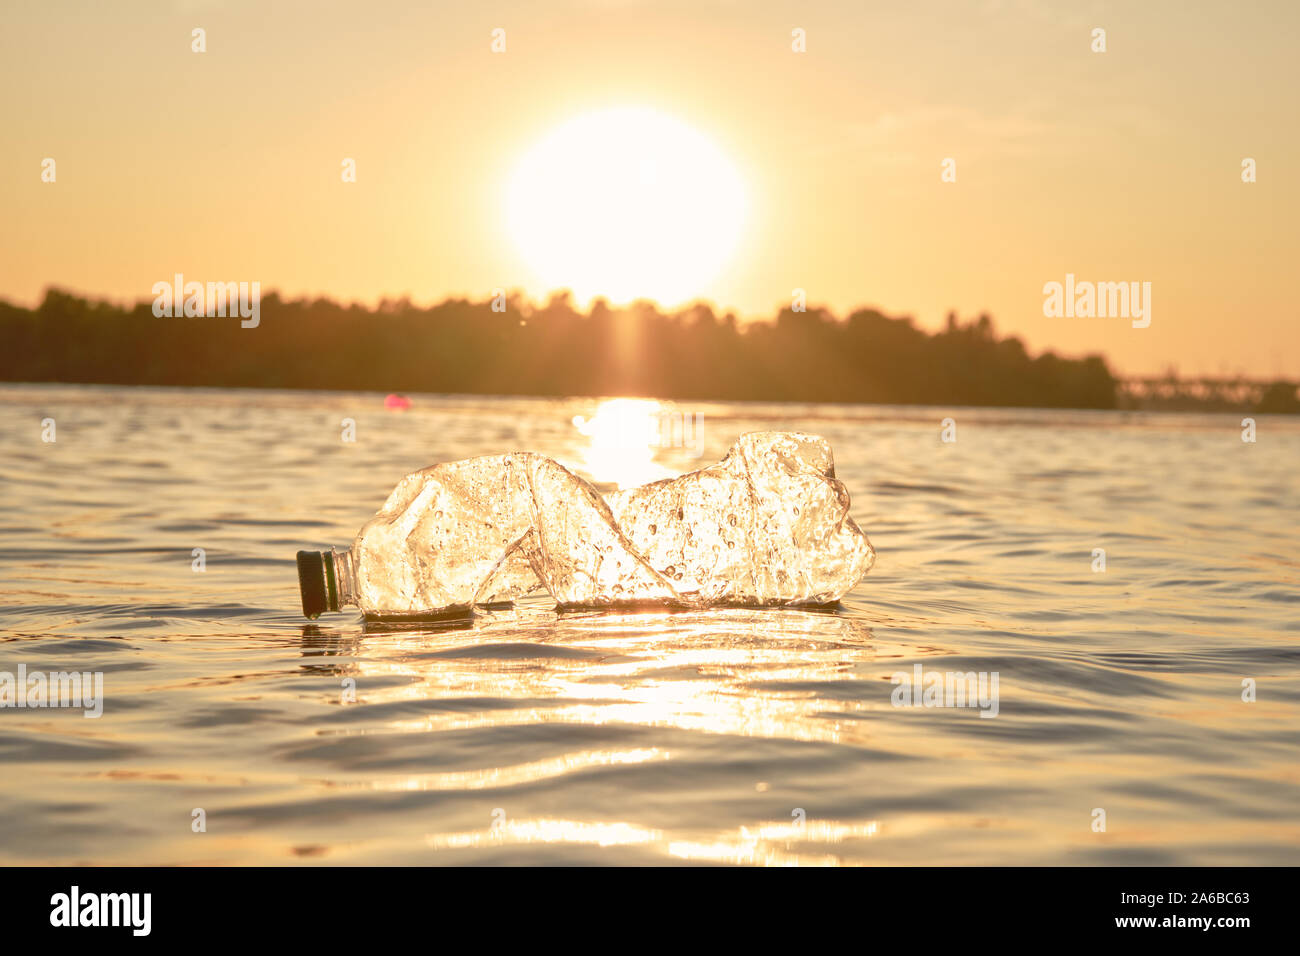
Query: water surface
[(728, 736)]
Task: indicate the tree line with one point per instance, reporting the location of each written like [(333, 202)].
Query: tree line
[(546, 349)]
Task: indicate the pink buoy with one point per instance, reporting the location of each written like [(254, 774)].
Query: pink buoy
[(397, 402)]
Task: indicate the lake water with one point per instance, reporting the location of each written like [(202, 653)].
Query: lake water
[(728, 736)]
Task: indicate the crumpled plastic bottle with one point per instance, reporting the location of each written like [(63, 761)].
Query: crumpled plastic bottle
[(767, 525)]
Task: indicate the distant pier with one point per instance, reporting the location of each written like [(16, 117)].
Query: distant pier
[(1207, 394)]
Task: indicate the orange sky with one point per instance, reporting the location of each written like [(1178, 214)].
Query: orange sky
[(1115, 166)]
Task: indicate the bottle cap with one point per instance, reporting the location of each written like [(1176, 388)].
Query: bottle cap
[(314, 573)]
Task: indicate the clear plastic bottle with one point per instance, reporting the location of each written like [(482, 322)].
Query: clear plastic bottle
[(767, 525)]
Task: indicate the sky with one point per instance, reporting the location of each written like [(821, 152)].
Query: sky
[(1115, 166)]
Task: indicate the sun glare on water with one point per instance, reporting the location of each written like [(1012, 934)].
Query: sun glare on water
[(623, 436), (625, 204)]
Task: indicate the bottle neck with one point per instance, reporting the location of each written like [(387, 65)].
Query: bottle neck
[(341, 577)]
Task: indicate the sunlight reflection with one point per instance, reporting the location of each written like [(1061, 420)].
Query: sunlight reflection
[(691, 671), (546, 831), (624, 436), (769, 844), (519, 774), (779, 674), (779, 844)]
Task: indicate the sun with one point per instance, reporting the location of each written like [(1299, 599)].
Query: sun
[(626, 203)]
